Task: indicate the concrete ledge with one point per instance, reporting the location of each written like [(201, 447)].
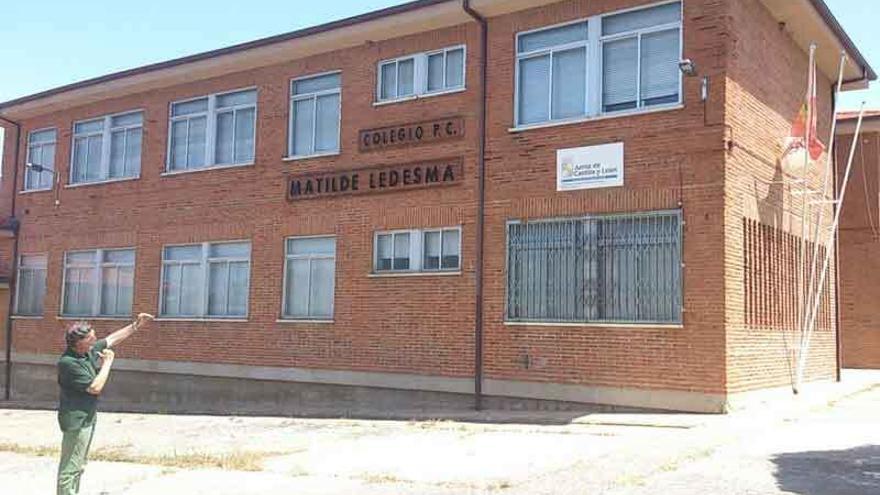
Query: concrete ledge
[(399, 381), (463, 387), (627, 397)]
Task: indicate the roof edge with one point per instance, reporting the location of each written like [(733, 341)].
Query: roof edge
[(847, 42)]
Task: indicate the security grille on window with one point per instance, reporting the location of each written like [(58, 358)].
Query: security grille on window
[(309, 278), (608, 63), (314, 115), (640, 54), (215, 130), (602, 269), (206, 280), (95, 160), (41, 151), (98, 282), (422, 74), (31, 285), (418, 250)]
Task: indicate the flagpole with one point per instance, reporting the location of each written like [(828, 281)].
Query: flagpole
[(814, 260), (802, 255), (826, 262)]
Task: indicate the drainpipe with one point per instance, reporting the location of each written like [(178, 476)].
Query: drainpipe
[(14, 265), (481, 210)]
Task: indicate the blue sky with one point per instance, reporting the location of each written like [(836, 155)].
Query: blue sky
[(49, 43)]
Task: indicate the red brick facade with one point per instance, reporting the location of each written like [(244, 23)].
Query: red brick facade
[(709, 159), (860, 246)]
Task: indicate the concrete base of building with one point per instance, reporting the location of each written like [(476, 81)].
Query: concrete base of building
[(186, 387)]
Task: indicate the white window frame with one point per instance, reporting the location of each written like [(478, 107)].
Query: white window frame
[(98, 265), (285, 315), (550, 51), (211, 130), (314, 97), (595, 68), (420, 75), (106, 146), (41, 264), (28, 170), (638, 33), (205, 261), (416, 251), (442, 231)]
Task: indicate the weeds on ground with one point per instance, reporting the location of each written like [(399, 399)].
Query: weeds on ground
[(232, 461)]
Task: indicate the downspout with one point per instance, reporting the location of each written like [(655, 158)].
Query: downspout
[(13, 270), (481, 210)]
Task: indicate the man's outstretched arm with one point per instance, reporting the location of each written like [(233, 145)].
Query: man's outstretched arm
[(123, 333)]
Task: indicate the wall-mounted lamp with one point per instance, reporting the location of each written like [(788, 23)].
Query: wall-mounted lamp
[(687, 67)]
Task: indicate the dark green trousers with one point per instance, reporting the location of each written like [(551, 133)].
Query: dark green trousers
[(74, 452)]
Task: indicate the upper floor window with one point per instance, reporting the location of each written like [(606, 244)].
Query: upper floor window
[(608, 63), (314, 115), (31, 285), (640, 54), (214, 130), (206, 280), (98, 282), (421, 74), (423, 250), (107, 148), (552, 67), (41, 151)]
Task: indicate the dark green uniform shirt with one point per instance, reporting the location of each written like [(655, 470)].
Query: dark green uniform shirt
[(76, 373)]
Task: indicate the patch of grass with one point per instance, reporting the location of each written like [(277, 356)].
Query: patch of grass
[(382, 478), (38, 451), (232, 461)]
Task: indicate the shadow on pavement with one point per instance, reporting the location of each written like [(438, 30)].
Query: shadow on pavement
[(853, 471)]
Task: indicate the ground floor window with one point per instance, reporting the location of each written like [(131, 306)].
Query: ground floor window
[(418, 250), (622, 268), (309, 278), (206, 280), (31, 288), (98, 282)]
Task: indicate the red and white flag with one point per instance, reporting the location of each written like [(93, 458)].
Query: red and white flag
[(804, 137)]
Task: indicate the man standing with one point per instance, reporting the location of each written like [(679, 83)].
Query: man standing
[(82, 380)]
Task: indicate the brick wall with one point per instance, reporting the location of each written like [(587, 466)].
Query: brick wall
[(859, 250), (424, 325), (766, 84)]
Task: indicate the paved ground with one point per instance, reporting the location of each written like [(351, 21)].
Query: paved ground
[(826, 449)]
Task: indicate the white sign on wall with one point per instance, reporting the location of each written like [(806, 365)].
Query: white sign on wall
[(589, 167)]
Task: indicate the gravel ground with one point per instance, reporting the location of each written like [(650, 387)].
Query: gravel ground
[(825, 449)]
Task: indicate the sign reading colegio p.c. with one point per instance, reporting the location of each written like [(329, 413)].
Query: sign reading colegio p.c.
[(411, 134), (417, 175)]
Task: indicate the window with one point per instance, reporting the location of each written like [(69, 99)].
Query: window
[(606, 64), (552, 68), (206, 280), (418, 250), (98, 282), (94, 160), (31, 285), (216, 130), (309, 278), (314, 115), (640, 54), (422, 74), (41, 151), (605, 268)]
